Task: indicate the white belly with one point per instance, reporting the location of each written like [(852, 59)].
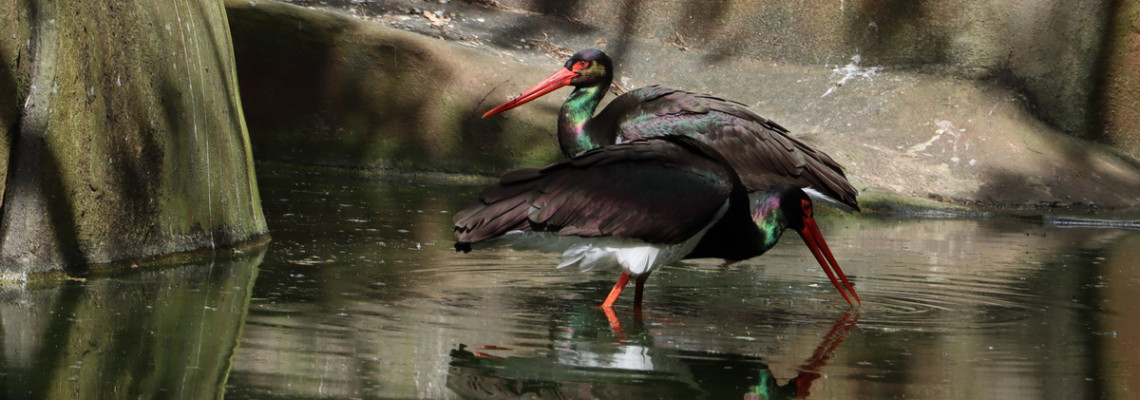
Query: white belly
[(634, 256)]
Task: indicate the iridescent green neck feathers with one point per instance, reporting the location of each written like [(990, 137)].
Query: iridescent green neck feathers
[(769, 218), (574, 119)]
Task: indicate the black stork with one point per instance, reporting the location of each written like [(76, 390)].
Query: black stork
[(761, 151), (638, 206)]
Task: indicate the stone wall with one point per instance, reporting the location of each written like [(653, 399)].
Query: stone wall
[(1076, 61), (351, 87), (327, 89)]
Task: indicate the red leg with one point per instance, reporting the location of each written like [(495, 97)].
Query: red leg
[(615, 323), (640, 288), (616, 291)]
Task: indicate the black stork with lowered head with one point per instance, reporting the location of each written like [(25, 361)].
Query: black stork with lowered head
[(638, 206), (761, 151)]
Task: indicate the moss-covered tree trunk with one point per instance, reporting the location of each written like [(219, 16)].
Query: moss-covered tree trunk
[(123, 134)]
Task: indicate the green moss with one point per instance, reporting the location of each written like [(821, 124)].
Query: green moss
[(131, 144)]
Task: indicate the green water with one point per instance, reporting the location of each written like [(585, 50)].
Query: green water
[(359, 295)]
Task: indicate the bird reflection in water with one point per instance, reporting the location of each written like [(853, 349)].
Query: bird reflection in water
[(631, 368), (799, 387)]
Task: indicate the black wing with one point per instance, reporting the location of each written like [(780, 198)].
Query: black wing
[(760, 150), (661, 190)]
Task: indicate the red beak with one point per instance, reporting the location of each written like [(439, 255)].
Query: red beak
[(556, 80), (819, 249)]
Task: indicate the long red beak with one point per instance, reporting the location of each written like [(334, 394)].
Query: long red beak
[(819, 249), (556, 80)]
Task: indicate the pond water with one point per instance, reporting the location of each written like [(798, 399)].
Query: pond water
[(360, 295)]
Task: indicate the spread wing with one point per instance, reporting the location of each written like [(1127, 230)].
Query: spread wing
[(661, 190)]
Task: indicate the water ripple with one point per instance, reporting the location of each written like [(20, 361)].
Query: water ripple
[(944, 302)]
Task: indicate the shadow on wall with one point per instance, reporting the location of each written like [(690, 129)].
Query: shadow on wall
[(1113, 70), (34, 182), (898, 32), (33, 192), (1074, 181), (9, 117), (319, 89), (1045, 49)]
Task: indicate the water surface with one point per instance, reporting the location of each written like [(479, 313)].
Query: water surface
[(360, 295)]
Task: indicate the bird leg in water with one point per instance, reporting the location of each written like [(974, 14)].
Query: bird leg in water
[(616, 291), (620, 285), (608, 305), (615, 323), (640, 287)]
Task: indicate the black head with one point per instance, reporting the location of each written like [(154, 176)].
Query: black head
[(587, 69), (795, 205), (795, 211), (592, 66)]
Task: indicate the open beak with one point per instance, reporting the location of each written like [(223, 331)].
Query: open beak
[(822, 253), (556, 80)]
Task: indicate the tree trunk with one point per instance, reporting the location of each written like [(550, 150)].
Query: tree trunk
[(124, 133)]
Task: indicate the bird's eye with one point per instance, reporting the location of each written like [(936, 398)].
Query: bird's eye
[(806, 204), (580, 65)]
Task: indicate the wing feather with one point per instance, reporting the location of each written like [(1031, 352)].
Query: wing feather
[(761, 151), (661, 190)]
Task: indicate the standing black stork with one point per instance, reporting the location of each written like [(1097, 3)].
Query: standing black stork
[(640, 205), (761, 151)]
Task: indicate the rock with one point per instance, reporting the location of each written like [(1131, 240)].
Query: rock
[(327, 89), (950, 123)]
